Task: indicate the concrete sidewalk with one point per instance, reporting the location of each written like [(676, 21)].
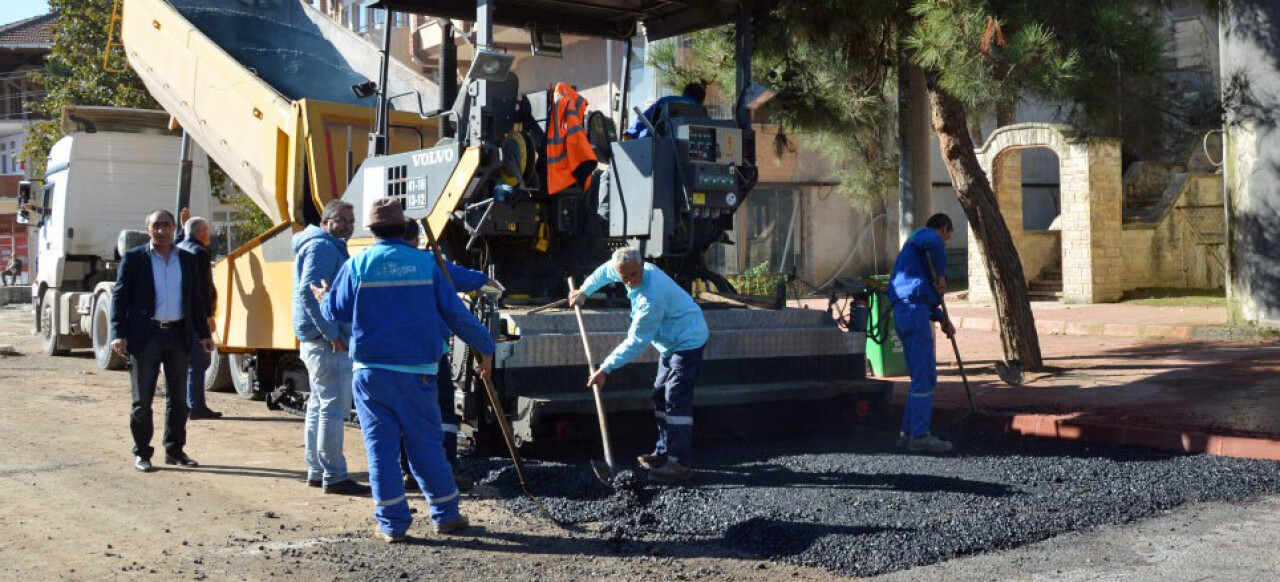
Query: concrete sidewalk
[(1119, 386), (1172, 378)]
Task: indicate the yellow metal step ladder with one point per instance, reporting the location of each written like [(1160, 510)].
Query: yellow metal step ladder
[(113, 31)]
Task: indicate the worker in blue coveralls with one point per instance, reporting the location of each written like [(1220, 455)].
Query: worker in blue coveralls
[(916, 287), (693, 93), (394, 296), (665, 315), (464, 280)]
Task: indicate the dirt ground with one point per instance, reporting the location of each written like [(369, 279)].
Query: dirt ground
[(74, 508)]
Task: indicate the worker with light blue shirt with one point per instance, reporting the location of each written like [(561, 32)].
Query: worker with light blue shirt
[(400, 305), (666, 316), (916, 287)]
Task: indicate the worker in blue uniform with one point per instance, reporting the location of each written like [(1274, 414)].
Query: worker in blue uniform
[(693, 93), (666, 316), (916, 287), (395, 297)]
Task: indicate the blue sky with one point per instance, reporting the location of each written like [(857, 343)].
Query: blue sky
[(15, 10)]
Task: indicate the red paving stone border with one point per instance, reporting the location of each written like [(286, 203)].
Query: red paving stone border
[(1114, 321), (1112, 433)]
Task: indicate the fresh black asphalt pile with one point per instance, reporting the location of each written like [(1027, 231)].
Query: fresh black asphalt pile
[(855, 505)]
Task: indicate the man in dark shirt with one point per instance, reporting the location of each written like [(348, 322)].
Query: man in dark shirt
[(197, 243)]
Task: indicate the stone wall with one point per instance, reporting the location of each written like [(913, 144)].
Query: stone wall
[(1169, 253), (1250, 51), (1091, 191), (1040, 249)]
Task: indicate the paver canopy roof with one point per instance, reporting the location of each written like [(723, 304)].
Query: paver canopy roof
[(604, 18)]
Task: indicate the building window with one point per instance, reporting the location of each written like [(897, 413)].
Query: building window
[(766, 231), (221, 241)]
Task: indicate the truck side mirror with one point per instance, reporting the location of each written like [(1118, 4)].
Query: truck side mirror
[(24, 198)]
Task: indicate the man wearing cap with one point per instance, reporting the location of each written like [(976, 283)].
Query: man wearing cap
[(394, 297)]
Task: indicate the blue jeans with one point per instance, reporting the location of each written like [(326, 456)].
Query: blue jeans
[(197, 365), (392, 406), (673, 403), (916, 332), (327, 408)]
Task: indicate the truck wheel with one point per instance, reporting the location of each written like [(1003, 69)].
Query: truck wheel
[(49, 338), (218, 377), (100, 331), (241, 369)]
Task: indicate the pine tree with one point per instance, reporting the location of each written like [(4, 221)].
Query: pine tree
[(833, 65), (81, 71), (75, 74)]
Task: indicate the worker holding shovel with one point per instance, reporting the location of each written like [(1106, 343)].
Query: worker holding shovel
[(915, 291), (665, 315)]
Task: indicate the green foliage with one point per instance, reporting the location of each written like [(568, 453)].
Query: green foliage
[(1126, 92), (967, 47), (1175, 297), (816, 95), (758, 280), (713, 65), (247, 220), (834, 66), (74, 73)]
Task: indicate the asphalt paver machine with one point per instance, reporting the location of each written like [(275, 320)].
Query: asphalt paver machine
[(479, 163)]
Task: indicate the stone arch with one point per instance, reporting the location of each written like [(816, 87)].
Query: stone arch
[(1090, 185)]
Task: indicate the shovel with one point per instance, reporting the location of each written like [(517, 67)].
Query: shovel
[(604, 471), (954, 346), (499, 414)]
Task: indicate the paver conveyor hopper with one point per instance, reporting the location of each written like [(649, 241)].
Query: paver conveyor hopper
[(265, 87)]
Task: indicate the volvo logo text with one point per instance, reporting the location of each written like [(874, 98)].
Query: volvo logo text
[(432, 157)]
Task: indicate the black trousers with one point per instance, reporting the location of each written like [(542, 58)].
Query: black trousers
[(165, 349)]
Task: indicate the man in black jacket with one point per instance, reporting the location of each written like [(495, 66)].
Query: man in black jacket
[(197, 243), (157, 315)]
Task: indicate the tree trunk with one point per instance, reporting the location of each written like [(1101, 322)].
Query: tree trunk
[(1004, 268), (915, 185), (1006, 113)]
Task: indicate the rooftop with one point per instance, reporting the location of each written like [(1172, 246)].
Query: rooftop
[(30, 33)]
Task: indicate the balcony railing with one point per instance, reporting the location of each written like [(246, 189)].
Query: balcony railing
[(17, 90)]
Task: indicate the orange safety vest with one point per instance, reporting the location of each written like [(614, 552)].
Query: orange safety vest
[(570, 159)]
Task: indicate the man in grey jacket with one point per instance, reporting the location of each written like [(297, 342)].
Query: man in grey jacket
[(320, 251)]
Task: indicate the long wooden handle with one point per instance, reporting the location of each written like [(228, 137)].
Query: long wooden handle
[(595, 388), (500, 415), (582, 331), (964, 378)]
